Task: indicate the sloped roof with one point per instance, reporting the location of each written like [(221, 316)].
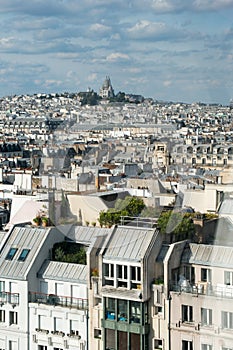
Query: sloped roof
[(226, 207), (86, 234), (21, 238), (211, 255), (62, 271), (128, 243)]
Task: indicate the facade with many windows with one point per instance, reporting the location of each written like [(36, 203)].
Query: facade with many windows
[(135, 292)]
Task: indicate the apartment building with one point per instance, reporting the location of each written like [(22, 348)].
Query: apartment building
[(121, 291), (217, 155), (193, 304), (135, 292)]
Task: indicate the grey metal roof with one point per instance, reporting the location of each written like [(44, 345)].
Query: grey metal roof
[(162, 253), (86, 234), (226, 206), (62, 271), (21, 238), (211, 255), (128, 243)]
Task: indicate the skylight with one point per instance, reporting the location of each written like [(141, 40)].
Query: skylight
[(11, 253), (23, 254)]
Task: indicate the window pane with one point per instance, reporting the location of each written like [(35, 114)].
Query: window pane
[(122, 310), (135, 341), (110, 339), (110, 308), (122, 341), (11, 253), (135, 312), (23, 254)]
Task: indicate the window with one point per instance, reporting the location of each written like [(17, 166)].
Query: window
[(122, 340), (2, 315), (122, 310), (2, 286), (109, 274), (135, 316), (206, 347), (23, 254), (97, 333), (187, 313), (123, 272), (13, 345), (42, 347), (136, 273), (11, 253), (109, 270), (110, 308), (58, 324), (206, 317), (158, 344), (187, 345), (74, 326), (227, 320), (206, 275), (189, 273), (228, 278), (110, 339), (13, 317)]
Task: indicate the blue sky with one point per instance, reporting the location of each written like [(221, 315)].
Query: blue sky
[(178, 50)]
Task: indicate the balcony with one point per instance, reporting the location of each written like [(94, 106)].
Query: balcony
[(58, 300), (9, 298), (204, 288)]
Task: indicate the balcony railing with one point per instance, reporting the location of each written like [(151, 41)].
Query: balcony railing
[(9, 298), (52, 299), (204, 288)]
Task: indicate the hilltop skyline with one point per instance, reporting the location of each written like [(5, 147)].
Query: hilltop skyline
[(167, 50)]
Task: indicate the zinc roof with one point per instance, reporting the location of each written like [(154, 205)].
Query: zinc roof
[(218, 256), (21, 238), (128, 243), (86, 234), (62, 271)]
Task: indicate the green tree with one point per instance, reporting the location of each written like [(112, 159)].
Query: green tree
[(176, 225), (130, 206)]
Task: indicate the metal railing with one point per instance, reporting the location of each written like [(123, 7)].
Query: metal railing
[(64, 301), (204, 288)]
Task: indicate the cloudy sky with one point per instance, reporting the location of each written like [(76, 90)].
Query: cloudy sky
[(178, 50)]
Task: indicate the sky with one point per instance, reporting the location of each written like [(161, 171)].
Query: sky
[(171, 50)]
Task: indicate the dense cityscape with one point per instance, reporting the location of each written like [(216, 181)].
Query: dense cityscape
[(116, 222)]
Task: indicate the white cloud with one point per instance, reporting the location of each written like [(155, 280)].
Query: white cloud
[(145, 28), (117, 56), (100, 28)]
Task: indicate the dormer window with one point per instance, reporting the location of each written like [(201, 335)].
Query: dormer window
[(11, 253), (23, 255)]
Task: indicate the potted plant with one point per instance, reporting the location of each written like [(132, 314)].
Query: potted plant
[(37, 220), (95, 272), (45, 221)]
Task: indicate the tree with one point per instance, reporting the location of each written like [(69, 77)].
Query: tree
[(176, 225), (130, 206)]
